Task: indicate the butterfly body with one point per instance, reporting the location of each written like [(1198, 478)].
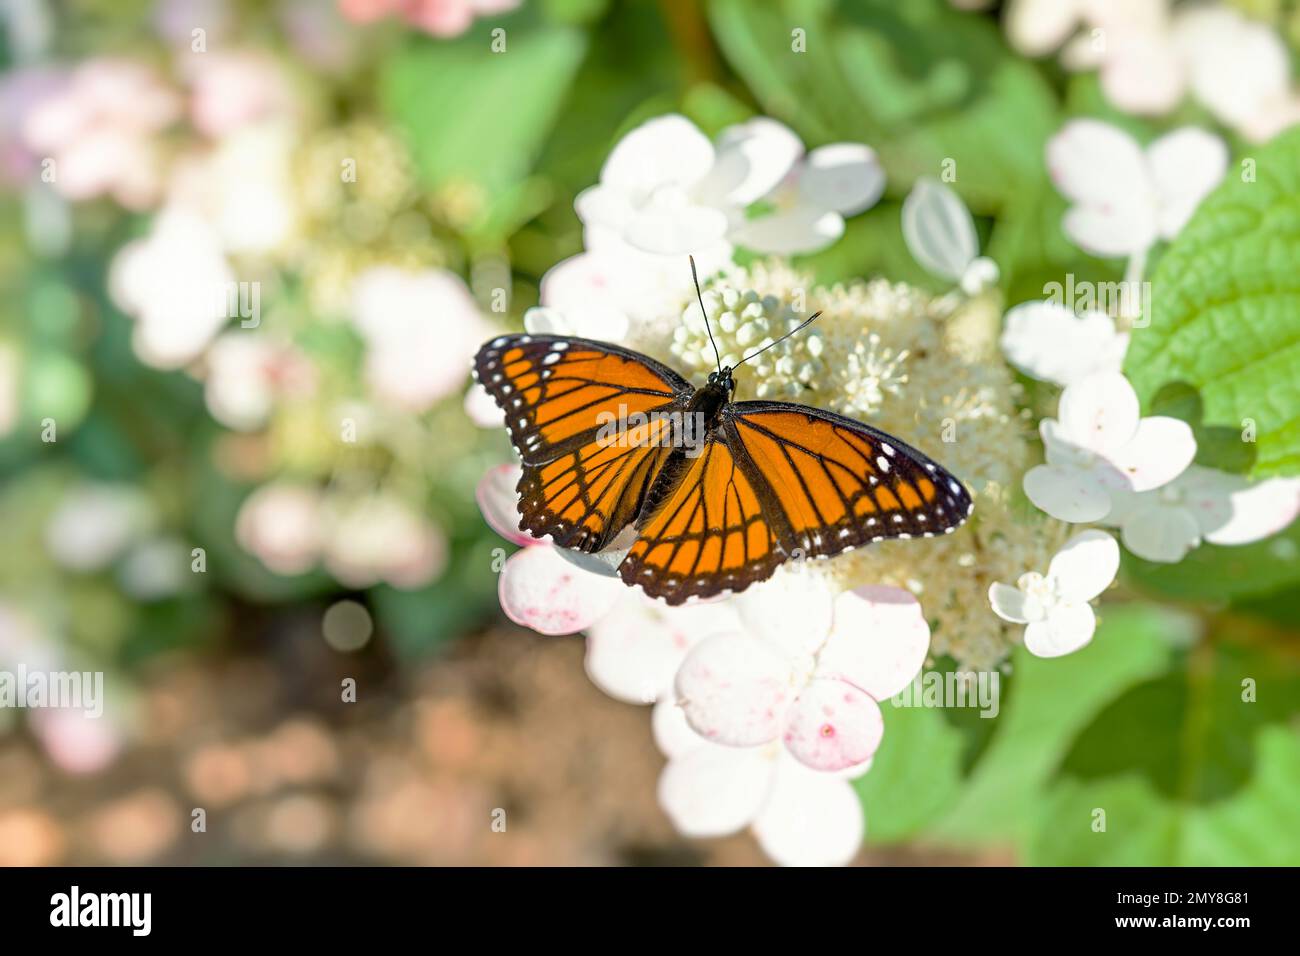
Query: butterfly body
[(717, 503)]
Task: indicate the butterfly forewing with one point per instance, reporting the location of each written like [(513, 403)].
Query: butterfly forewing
[(839, 483)]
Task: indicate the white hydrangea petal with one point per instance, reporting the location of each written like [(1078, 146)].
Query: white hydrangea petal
[(1259, 511), (634, 652), (498, 502), (1036, 28), (1099, 412), (538, 589), (1052, 343), (1186, 165), (939, 230), (1142, 74), (792, 610), (581, 296), (673, 735), (800, 229), (604, 207), (712, 791), (734, 690), (665, 150), (752, 160), (1160, 451), (1068, 628), (1008, 603), (482, 409), (1070, 494), (879, 640), (1085, 566), (832, 725), (809, 818), (675, 230), (842, 177), (1161, 532)]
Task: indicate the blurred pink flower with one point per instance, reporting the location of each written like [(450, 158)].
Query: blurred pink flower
[(76, 742), (236, 89), (421, 331), (281, 525), (441, 18), (100, 129), (378, 537), (20, 91), (247, 371)]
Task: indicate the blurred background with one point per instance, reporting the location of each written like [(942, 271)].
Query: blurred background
[(231, 525)]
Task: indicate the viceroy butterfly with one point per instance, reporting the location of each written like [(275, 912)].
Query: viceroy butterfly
[(765, 482)]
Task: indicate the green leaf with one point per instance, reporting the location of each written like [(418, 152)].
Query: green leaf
[(477, 119), (1191, 732), (1053, 700), (928, 87), (914, 776), (1225, 310), (1260, 826)]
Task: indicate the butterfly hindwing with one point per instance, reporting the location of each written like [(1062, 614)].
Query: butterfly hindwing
[(841, 484), (706, 530), (572, 408)]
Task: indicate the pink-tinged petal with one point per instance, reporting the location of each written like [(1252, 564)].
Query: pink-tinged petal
[(832, 725), (1085, 566), (1099, 412), (1259, 511), (540, 590), (810, 818), (846, 178), (752, 160), (802, 229), (1186, 165), (1103, 171), (879, 640), (1068, 628), (635, 651), (1070, 494), (1142, 75), (498, 502), (1160, 451), (734, 690), (792, 610), (673, 735), (713, 791), (1008, 603), (1161, 532), (667, 150)]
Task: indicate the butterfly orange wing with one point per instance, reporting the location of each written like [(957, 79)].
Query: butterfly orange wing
[(840, 484), (705, 530), (571, 408)]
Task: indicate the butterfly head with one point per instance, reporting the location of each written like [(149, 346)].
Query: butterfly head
[(722, 379)]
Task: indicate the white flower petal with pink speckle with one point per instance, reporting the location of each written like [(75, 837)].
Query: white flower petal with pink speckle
[(634, 652), (734, 690), (809, 818), (833, 725), (540, 590), (498, 501), (713, 791), (673, 735), (878, 642)]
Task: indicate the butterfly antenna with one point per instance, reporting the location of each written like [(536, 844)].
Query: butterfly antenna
[(698, 295), (800, 327)]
